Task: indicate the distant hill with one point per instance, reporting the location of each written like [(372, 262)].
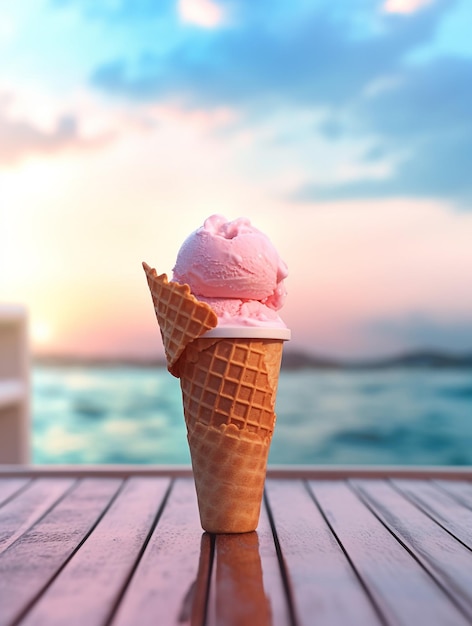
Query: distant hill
[(299, 360), (421, 358), (291, 360), (425, 359)]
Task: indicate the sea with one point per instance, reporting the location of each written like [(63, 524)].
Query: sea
[(89, 414)]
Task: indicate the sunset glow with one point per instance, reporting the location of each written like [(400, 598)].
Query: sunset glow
[(351, 150)]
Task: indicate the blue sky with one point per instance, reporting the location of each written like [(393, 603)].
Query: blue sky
[(298, 106), (394, 86)]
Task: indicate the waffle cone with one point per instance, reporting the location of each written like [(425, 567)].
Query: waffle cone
[(181, 317), (229, 389)]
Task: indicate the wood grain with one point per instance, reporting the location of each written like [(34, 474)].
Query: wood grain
[(337, 549), (10, 486), (445, 558), (324, 586), (443, 508), (94, 577), (388, 571), (35, 558), (460, 489), (164, 583), (20, 514)]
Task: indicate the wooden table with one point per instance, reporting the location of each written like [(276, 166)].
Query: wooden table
[(124, 546)]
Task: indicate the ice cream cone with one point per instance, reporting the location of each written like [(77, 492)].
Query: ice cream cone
[(229, 388)]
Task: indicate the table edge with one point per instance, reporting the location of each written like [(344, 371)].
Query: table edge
[(273, 471)]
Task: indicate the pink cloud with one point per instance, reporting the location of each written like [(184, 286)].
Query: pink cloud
[(202, 13), (405, 6), (201, 120), (21, 137)]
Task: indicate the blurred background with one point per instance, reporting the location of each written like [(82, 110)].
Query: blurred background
[(342, 130)]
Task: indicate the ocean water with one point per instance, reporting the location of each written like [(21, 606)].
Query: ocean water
[(119, 414)]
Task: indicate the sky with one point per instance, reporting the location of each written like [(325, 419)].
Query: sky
[(343, 130)]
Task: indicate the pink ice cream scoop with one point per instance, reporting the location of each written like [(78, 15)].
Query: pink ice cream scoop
[(236, 269)]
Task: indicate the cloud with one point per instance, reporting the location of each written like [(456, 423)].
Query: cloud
[(425, 116), (316, 61), (20, 137), (404, 6), (363, 79), (203, 13)]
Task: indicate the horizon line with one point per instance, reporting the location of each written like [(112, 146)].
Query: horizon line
[(291, 359)]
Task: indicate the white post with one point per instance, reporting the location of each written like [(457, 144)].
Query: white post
[(15, 423)]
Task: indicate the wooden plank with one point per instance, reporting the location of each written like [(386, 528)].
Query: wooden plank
[(247, 585), (94, 578), (446, 559), (238, 595), (272, 573), (445, 509), (10, 486), (32, 561), (324, 587), (461, 490), (165, 582), (402, 589), (199, 595), (21, 513)]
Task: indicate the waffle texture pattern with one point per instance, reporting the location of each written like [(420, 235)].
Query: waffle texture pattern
[(181, 317), (229, 388)]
